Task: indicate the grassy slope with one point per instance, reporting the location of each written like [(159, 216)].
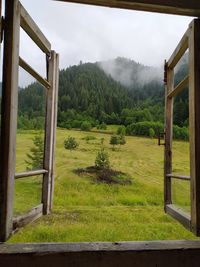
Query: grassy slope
[(85, 211)]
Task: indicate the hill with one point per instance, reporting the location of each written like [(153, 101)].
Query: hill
[(118, 91)]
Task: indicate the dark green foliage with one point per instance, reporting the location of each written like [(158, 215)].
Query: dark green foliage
[(122, 140), (142, 128), (70, 143), (121, 130), (114, 140), (88, 94), (151, 133), (86, 126), (102, 160), (32, 104), (89, 138), (36, 154), (180, 133), (102, 126)]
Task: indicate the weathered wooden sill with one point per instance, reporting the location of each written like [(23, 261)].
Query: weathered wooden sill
[(154, 253)]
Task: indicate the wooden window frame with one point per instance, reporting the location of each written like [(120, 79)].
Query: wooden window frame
[(189, 41), (15, 17)]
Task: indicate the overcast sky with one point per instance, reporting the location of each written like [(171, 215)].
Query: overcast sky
[(89, 33)]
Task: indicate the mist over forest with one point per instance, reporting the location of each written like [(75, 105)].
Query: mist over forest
[(119, 91)]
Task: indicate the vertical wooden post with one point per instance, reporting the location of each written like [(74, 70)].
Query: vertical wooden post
[(194, 121), (9, 116), (55, 125), (168, 136), (49, 135)]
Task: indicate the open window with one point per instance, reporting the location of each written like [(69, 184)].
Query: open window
[(15, 17), (190, 41)]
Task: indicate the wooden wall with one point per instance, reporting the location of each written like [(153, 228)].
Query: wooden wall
[(179, 7), (126, 254)]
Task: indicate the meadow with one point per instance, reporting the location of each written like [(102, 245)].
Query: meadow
[(88, 211)]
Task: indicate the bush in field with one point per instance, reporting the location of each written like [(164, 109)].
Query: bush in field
[(89, 138), (114, 140), (86, 126), (102, 160), (180, 133), (122, 140), (36, 154), (102, 126), (70, 143), (121, 130), (151, 133), (142, 128), (76, 124)]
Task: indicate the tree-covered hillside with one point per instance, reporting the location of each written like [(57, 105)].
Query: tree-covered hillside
[(97, 93)]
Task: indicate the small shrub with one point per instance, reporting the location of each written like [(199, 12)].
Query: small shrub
[(86, 126), (121, 130), (122, 140), (151, 133), (89, 138), (102, 126), (76, 124), (68, 126), (70, 143), (102, 160), (36, 154), (114, 141)]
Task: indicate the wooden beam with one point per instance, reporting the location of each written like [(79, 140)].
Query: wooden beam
[(179, 51), (49, 135), (180, 177), (194, 123), (54, 127), (34, 32), (168, 136), (31, 71), (179, 88), (177, 7), (31, 216), (179, 215), (30, 174), (9, 115), (102, 254)]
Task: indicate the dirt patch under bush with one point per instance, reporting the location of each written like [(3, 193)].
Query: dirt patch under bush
[(108, 176)]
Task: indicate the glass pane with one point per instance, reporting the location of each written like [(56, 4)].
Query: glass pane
[(30, 125), (28, 193), (181, 194)]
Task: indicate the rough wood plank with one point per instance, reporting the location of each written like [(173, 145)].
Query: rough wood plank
[(179, 7), (54, 126), (179, 215), (194, 123), (179, 88), (31, 216), (179, 51), (181, 177), (168, 136), (49, 135), (35, 74), (102, 254), (9, 116), (30, 174), (31, 28)]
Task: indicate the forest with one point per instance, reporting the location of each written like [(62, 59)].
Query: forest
[(119, 91)]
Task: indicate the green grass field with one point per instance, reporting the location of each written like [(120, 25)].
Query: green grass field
[(87, 211)]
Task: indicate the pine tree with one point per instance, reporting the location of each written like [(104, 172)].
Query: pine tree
[(36, 154)]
